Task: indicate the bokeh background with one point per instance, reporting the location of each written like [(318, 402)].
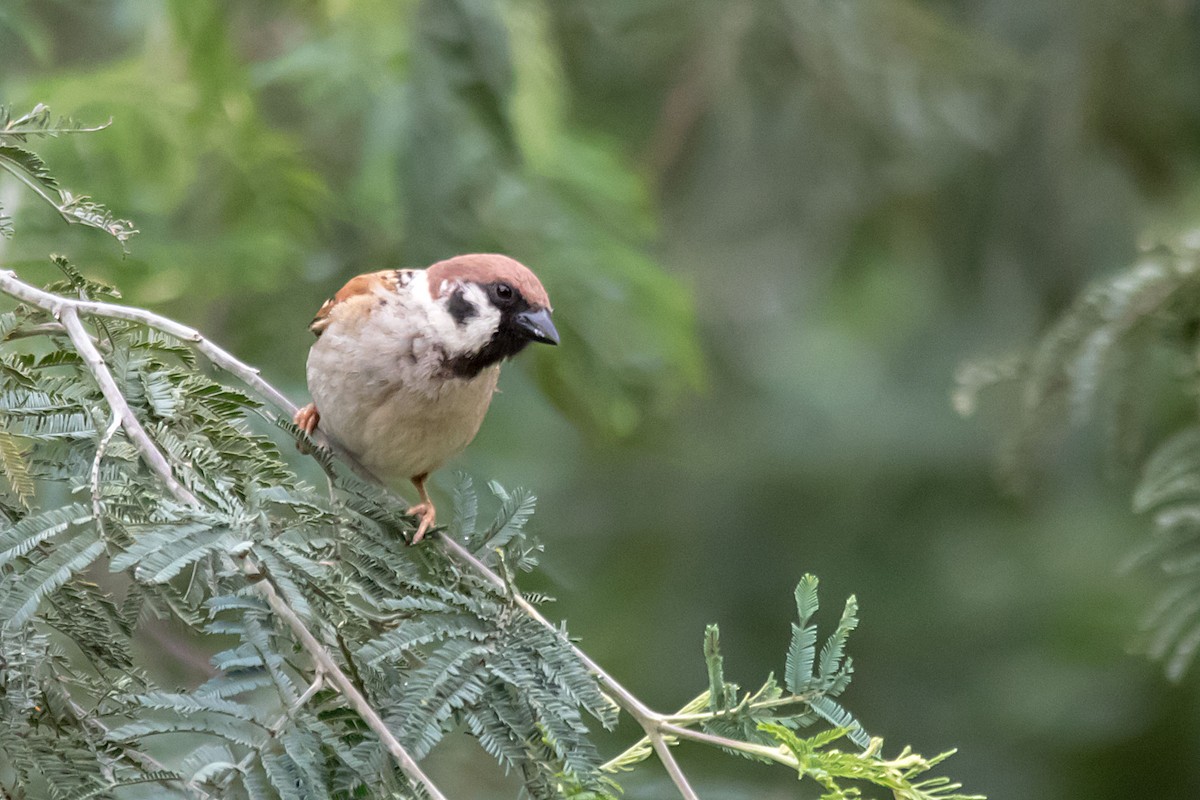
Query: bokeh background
[(773, 230)]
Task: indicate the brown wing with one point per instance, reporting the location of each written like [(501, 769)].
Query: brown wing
[(360, 286)]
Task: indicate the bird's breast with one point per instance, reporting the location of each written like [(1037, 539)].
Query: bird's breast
[(393, 404)]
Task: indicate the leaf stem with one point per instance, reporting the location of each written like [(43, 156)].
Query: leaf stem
[(704, 716), (97, 510), (765, 751)]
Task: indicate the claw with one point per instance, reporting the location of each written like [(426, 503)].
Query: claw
[(423, 510), (427, 514), (307, 418)]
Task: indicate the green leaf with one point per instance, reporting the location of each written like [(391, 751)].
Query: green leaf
[(835, 646), (409, 637), (832, 712), (840, 773), (19, 539), (39, 122), (807, 603), (28, 167), (159, 553), (23, 593), (798, 674), (14, 467), (451, 679), (466, 507), (195, 703), (1172, 473), (717, 699), (228, 728), (516, 508)]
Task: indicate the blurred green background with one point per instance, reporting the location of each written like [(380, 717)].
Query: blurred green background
[(772, 231)]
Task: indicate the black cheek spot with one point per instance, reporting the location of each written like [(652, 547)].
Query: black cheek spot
[(460, 308)]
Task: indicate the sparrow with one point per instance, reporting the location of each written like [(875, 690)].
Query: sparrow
[(406, 362)]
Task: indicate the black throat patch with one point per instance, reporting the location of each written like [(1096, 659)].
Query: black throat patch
[(508, 340)]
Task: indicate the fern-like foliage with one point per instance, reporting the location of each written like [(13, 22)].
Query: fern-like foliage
[(1170, 491), (1124, 355), (28, 168), (340, 649), (436, 648), (840, 773), (811, 681), (763, 725)]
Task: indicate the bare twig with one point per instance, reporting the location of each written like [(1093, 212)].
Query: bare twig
[(774, 753), (29, 331), (339, 679), (317, 684), (277, 726), (12, 285), (116, 401), (97, 511)]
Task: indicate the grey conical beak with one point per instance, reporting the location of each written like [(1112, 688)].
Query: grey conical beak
[(537, 325)]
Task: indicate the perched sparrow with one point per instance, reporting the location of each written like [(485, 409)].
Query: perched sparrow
[(406, 362)]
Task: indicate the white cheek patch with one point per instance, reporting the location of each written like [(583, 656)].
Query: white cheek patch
[(476, 330)]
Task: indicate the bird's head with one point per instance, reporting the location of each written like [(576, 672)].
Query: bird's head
[(496, 305)]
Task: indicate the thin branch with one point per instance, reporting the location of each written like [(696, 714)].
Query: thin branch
[(326, 664), (663, 750), (150, 453), (276, 727), (765, 751), (12, 285), (317, 684), (44, 329)]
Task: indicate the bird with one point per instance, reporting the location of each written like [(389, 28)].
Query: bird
[(406, 361)]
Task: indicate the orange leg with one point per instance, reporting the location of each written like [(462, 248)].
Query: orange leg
[(307, 418), (424, 510)]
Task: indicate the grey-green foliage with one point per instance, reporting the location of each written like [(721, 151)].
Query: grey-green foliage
[(1124, 354), (93, 545), (432, 646)]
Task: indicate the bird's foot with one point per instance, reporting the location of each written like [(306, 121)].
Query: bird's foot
[(426, 514), (307, 418)]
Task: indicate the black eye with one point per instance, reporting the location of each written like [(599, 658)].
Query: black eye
[(503, 293)]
